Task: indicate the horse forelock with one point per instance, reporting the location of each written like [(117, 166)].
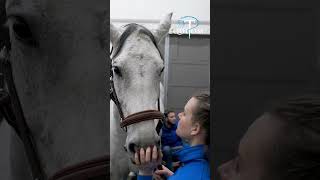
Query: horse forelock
[(131, 28)]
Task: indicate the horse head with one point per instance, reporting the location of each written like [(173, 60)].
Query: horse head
[(137, 67), (58, 61)]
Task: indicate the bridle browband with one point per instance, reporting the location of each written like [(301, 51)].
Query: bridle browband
[(11, 111), (142, 115)]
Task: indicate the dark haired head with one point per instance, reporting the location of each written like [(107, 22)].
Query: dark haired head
[(298, 152), (167, 112), (202, 112)]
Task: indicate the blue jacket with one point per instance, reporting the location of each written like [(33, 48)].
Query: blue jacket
[(169, 136), (194, 165)]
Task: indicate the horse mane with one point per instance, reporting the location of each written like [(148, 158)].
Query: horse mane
[(130, 28)]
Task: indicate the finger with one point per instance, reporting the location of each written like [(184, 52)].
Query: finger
[(142, 156), (136, 158), (157, 177), (160, 155), (164, 168), (168, 172), (148, 154), (154, 154), (159, 160), (160, 172)]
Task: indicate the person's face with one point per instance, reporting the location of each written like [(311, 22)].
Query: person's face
[(172, 117), (185, 124), (254, 151), (180, 114)]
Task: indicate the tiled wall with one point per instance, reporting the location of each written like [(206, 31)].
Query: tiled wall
[(188, 68)]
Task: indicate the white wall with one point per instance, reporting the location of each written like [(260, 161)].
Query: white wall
[(155, 9), (149, 13)]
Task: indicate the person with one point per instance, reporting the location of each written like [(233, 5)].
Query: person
[(169, 140), (282, 144), (192, 127), (179, 116)]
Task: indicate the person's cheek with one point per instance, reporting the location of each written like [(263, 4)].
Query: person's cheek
[(178, 129), (180, 122), (179, 126)]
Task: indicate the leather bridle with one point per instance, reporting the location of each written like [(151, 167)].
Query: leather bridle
[(142, 115)]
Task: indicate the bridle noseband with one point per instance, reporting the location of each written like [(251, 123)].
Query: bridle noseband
[(142, 115)]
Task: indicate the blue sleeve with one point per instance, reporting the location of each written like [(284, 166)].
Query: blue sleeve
[(144, 177)]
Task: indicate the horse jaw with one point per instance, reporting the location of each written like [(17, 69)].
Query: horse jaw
[(61, 96)]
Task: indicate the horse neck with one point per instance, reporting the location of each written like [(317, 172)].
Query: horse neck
[(77, 142)]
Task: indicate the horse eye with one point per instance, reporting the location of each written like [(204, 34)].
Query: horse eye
[(117, 70), (23, 32), (161, 71)]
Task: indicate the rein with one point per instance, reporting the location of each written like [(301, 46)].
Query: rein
[(11, 110)]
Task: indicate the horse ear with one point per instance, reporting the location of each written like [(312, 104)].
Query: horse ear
[(163, 28), (115, 34)]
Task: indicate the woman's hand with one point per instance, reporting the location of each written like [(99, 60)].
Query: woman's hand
[(147, 160), (164, 171)]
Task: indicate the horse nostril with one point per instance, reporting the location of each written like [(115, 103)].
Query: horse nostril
[(132, 147)]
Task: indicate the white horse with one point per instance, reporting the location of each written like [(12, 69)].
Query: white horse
[(137, 73), (59, 66)]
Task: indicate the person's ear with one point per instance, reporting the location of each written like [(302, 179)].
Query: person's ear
[(196, 128)]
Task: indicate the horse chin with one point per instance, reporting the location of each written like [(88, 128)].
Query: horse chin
[(132, 161), (131, 158)]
